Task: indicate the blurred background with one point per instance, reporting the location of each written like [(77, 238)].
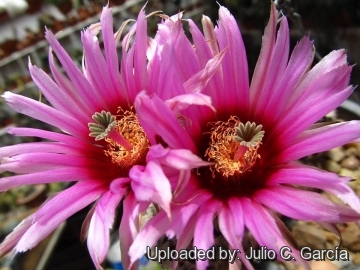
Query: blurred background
[(332, 24)]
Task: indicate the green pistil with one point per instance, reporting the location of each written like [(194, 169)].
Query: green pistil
[(249, 134), (104, 123)]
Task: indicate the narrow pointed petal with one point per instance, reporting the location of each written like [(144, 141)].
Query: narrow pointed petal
[(96, 69), (53, 213), (112, 61), (262, 65), (160, 223), (302, 175), (98, 241), (140, 44), (277, 67), (13, 238), (153, 110), (51, 176), (45, 114), (234, 64), (43, 147), (182, 102), (299, 63), (230, 229), (151, 184), (320, 140), (199, 81), (49, 135), (203, 234), (269, 235), (180, 159), (55, 95), (128, 230), (307, 113), (86, 91), (301, 204)]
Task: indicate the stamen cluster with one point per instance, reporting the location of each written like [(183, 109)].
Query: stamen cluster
[(225, 140)]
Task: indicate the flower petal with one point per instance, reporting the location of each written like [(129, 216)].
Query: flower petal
[(92, 98), (54, 94), (53, 212), (321, 139), (151, 184), (234, 64), (45, 114), (264, 229), (128, 229), (153, 110), (309, 177), (262, 65), (98, 241), (204, 228), (51, 176), (303, 205)]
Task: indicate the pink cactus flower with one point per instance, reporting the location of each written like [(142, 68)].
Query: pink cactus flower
[(253, 139), (100, 143)]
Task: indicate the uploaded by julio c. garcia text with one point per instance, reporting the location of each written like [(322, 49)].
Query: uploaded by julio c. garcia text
[(231, 255)]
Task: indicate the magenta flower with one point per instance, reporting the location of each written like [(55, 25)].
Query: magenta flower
[(253, 140), (101, 144)]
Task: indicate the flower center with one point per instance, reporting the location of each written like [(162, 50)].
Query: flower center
[(126, 142), (234, 148)]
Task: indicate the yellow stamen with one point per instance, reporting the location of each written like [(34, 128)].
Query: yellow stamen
[(230, 157), (127, 125)]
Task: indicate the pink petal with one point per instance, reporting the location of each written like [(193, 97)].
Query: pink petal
[(328, 65), (264, 229), (54, 94), (229, 228), (309, 177), (53, 213), (96, 68), (301, 204), (160, 223), (206, 49), (182, 102), (45, 114), (128, 230), (58, 175), (198, 82), (320, 140), (151, 184), (308, 112), (203, 234), (202, 48), (262, 65), (140, 44), (101, 222), (44, 147), (299, 63), (13, 238), (276, 68), (54, 136), (91, 97), (172, 36), (111, 54), (120, 185), (7, 164), (234, 64), (153, 110), (179, 159), (67, 86), (168, 68)]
